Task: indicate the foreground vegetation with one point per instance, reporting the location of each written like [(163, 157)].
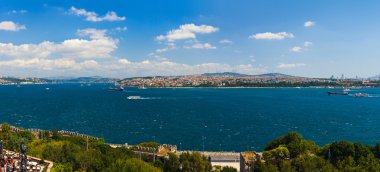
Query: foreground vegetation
[(293, 153), (72, 153), (287, 153)]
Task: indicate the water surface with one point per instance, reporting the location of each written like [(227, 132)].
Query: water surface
[(218, 119)]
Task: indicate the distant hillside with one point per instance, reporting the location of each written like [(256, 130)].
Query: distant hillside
[(377, 77), (21, 80), (239, 74), (94, 79), (275, 75), (224, 74)]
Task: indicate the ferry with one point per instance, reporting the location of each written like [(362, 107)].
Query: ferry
[(360, 95), (142, 87), (116, 89), (337, 93), (134, 97)]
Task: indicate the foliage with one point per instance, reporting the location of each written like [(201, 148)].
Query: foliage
[(295, 144), (306, 156), (279, 153), (58, 167), (228, 169), (149, 144), (194, 162), (132, 165), (288, 153)]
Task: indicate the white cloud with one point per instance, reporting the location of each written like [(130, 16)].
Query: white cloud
[(98, 46), (11, 26), (170, 46), (92, 33), (202, 46), (121, 28), (309, 24), (118, 67), (307, 44), (149, 68), (271, 36), (290, 65), (225, 41), (94, 17), (17, 12), (187, 31), (296, 49), (124, 62)]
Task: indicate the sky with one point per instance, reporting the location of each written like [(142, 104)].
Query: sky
[(127, 38)]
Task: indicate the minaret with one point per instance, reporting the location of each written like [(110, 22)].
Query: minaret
[(328, 155), (2, 163), (24, 157)]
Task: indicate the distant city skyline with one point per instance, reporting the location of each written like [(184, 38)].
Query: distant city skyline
[(47, 38)]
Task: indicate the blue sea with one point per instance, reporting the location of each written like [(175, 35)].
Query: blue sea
[(194, 118)]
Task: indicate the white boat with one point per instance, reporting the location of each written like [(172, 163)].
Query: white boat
[(142, 87), (134, 97), (361, 95)]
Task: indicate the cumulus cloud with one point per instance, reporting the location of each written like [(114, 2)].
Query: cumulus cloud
[(17, 12), (290, 65), (187, 31), (120, 67), (202, 46), (271, 36), (11, 26), (170, 46), (225, 41), (149, 68), (98, 46), (121, 28), (296, 49), (307, 44), (94, 17), (309, 24)]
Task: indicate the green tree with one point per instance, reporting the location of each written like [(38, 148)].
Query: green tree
[(228, 169), (341, 150), (172, 164), (295, 144), (277, 154), (376, 150), (132, 165), (312, 163), (194, 162), (58, 167)]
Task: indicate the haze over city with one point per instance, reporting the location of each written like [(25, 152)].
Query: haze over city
[(139, 38)]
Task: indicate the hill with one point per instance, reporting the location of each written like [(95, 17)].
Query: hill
[(224, 74), (275, 75), (93, 79)]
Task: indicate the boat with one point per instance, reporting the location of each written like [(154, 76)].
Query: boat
[(142, 87), (360, 95), (134, 97), (346, 90), (47, 88), (119, 89), (337, 93)]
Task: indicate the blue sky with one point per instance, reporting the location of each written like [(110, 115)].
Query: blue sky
[(171, 37)]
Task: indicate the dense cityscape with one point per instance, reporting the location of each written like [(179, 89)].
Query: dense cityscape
[(222, 80), (240, 80)]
